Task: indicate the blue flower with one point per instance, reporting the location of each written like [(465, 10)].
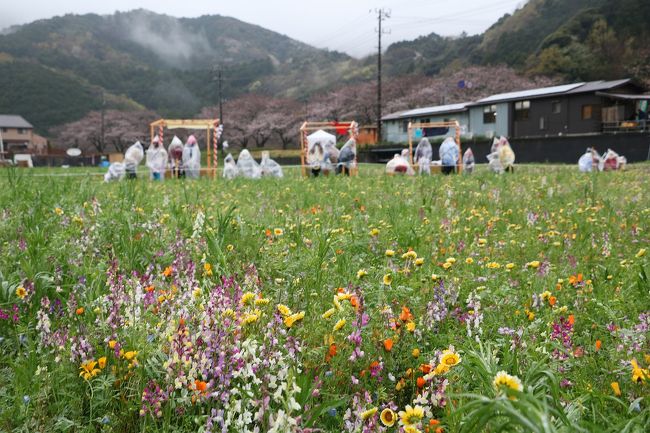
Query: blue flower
[(26, 399), (332, 412)]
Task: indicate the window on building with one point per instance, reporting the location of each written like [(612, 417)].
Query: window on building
[(21, 131), (590, 112), (556, 107), (4, 129), (405, 126), (490, 114), (522, 110), (542, 123)]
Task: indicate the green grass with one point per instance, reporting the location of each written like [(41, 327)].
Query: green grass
[(154, 254)]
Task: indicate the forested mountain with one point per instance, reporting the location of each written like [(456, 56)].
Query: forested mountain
[(55, 71)]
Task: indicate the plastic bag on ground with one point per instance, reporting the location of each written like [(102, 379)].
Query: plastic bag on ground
[(269, 167), (468, 161), (157, 159), (230, 170), (192, 158), (347, 157), (247, 166), (612, 161), (399, 165), (116, 171)]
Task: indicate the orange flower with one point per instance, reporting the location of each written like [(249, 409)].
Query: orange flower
[(552, 300), (388, 344), (598, 345), (434, 422), (168, 271), (354, 301), (420, 382), (374, 364), (80, 311), (332, 350), (267, 232), (572, 319), (200, 385), (181, 322), (149, 289), (405, 315), (425, 368)]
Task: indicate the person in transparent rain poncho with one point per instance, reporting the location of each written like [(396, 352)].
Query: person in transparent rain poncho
[(347, 157), (269, 167), (132, 158), (400, 164), (247, 166), (502, 157), (157, 159), (116, 171), (176, 157), (468, 161), (449, 155), (589, 161), (192, 158), (424, 156), (230, 170), (330, 158), (316, 158)]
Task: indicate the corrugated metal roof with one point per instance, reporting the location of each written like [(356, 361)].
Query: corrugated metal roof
[(13, 121), (427, 111), (532, 93), (596, 86), (625, 96)]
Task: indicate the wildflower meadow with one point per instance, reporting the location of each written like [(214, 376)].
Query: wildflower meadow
[(467, 303)]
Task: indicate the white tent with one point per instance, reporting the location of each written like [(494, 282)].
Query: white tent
[(321, 137)]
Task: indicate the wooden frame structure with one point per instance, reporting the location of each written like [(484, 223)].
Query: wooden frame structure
[(449, 124), (310, 127), (196, 124)]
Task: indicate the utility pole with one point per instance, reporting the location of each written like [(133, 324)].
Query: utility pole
[(103, 143), (220, 78), (381, 16)]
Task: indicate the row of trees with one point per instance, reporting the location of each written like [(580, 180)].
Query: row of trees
[(255, 120)]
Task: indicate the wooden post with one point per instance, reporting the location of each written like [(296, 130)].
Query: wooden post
[(460, 149), (303, 140), (207, 146), (215, 154)]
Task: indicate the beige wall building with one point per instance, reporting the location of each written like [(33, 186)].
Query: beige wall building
[(18, 136)]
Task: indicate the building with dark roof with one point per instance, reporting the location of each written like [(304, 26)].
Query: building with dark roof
[(18, 135)]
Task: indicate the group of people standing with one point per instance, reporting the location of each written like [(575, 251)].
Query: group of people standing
[(182, 160)]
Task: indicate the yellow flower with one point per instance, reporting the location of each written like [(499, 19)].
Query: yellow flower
[(493, 265), (434, 277), (207, 269), (329, 313), (369, 413), (130, 355), (58, 211), (374, 232), (419, 261), (482, 242), (534, 264), (278, 232), (388, 279), (284, 310), (469, 260), (230, 247), (390, 253), (112, 343), (509, 266), (388, 417), (21, 292), (336, 303), (289, 321), (449, 358), (361, 273), (262, 301), (446, 265), (639, 375), (410, 326), (251, 318), (616, 389), (88, 370), (441, 369), (416, 353), (247, 297), (450, 260), (504, 379), (411, 429), (340, 324), (641, 253), (102, 362), (411, 416), (412, 255)]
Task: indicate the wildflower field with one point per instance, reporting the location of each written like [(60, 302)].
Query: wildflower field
[(366, 304)]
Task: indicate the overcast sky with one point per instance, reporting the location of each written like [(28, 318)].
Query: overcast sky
[(342, 25)]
